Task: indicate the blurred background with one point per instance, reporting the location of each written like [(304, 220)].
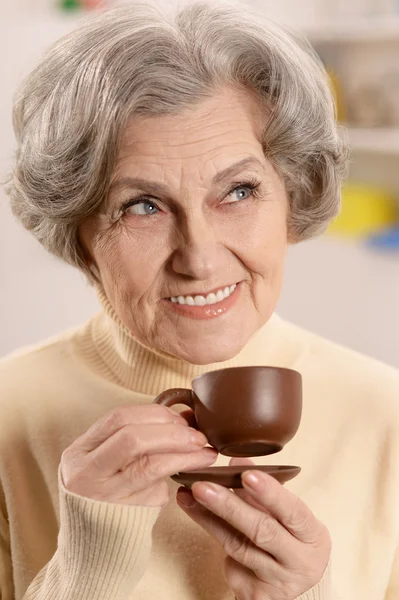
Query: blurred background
[(344, 285)]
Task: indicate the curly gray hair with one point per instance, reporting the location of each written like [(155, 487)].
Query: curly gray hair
[(71, 111)]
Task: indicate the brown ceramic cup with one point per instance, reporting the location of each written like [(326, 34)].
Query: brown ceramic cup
[(244, 411)]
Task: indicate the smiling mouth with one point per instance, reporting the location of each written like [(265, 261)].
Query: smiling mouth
[(199, 300)]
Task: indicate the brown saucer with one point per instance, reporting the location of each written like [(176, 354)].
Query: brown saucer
[(230, 477)]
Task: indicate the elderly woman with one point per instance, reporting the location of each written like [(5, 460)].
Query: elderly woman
[(173, 159)]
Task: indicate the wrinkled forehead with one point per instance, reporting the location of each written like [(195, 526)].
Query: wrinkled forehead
[(223, 125)]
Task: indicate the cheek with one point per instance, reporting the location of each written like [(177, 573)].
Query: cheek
[(129, 259), (261, 242)]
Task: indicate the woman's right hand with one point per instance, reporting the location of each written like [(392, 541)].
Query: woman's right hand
[(128, 455)]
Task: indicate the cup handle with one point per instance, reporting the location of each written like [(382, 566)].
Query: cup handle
[(175, 396)]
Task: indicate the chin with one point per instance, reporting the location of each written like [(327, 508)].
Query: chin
[(204, 353)]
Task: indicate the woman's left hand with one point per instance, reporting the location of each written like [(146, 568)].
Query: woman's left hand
[(276, 548)]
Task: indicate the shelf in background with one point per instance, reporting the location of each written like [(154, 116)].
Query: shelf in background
[(356, 30), (377, 141)]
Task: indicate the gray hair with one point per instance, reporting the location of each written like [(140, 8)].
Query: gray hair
[(70, 113)]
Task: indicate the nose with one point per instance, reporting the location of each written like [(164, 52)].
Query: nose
[(198, 251)]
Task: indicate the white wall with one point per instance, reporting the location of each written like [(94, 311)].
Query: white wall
[(342, 291)]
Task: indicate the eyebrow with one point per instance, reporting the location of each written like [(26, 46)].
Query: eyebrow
[(155, 187)]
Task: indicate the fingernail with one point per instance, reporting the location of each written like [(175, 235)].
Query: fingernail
[(205, 492), (251, 479), (185, 498)]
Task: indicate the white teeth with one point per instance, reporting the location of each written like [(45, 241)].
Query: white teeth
[(211, 298), (220, 296)]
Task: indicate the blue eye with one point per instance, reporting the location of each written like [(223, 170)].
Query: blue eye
[(242, 188), (141, 207)]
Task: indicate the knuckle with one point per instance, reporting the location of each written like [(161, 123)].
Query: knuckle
[(238, 547), (70, 461), (264, 532), (72, 471), (242, 588), (232, 576), (130, 477), (65, 456), (130, 440), (115, 418), (179, 434), (148, 468), (300, 517)]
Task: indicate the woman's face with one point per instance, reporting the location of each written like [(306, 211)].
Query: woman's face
[(194, 210)]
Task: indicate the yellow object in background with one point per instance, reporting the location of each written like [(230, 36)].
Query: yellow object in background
[(366, 210), (337, 95)]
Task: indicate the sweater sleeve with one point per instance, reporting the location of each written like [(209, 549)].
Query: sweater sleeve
[(322, 590), (393, 587), (102, 552)]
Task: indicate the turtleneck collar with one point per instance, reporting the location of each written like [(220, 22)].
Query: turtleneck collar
[(113, 350)]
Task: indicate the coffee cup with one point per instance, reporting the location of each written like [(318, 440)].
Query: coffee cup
[(243, 411)]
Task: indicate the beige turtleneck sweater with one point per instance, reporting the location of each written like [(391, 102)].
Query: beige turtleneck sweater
[(55, 545)]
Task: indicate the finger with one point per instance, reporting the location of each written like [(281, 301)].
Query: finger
[(122, 416), (258, 526), (118, 451), (287, 508), (246, 497), (243, 494), (240, 580), (152, 468), (235, 544)]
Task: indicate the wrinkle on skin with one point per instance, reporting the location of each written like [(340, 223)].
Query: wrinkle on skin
[(200, 239)]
